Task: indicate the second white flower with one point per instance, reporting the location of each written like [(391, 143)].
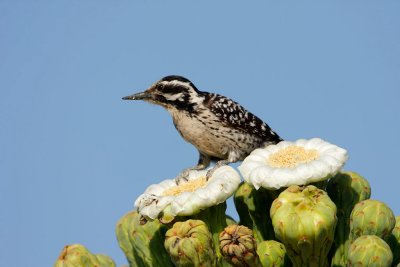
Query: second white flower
[(292, 163)]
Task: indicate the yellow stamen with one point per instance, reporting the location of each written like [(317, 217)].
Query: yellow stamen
[(189, 186), (291, 157)]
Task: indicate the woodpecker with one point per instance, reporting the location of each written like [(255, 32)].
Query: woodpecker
[(221, 129)]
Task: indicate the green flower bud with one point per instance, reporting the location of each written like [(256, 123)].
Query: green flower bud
[(345, 189), (394, 242), (105, 261), (238, 246), (190, 243), (371, 217), (304, 220), (272, 253), (78, 255), (371, 251), (142, 241)]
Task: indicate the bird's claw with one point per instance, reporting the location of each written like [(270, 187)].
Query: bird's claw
[(182, 177), (210, 172)]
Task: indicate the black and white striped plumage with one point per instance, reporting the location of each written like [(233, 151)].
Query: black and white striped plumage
[(221, 129)]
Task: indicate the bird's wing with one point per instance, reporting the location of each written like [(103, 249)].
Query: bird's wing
[(234, 115)]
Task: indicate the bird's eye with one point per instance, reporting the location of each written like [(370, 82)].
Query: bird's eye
[(160, 87)]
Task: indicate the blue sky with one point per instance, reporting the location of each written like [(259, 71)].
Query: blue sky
[(74, 156)]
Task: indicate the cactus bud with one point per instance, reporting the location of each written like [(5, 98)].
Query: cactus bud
[(134, 238), (238, 246), (304, 220), (190, 243), (371, 217), (345, 189), (371, 251), (78, 255), (105, 260), (272, 253), (394, 242)]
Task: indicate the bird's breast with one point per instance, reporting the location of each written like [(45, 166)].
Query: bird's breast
[(209, 136)]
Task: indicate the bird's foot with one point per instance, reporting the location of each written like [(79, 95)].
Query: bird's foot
[(211, 171), (183, 177)]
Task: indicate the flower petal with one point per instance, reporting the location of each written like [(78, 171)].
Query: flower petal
[(223, 183), (318, 161)]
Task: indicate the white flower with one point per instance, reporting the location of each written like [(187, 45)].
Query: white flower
[(189, 198), (292, 163)]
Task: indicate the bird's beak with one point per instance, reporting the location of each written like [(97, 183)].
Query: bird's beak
[(138, 96)]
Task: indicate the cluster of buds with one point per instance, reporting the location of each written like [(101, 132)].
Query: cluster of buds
[(296, 207)]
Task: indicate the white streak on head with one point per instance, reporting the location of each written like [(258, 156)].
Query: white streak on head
[(173, 97), (176, 83)]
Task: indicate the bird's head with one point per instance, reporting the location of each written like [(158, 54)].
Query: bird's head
[(170, 92)]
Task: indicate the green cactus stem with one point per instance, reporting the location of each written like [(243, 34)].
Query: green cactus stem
[(345, 189), (371, 251), (190, 243), (371, 217), (142, 242), (253, 208), (273, 253), (239, 246), (78, 255), (304, 220)]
